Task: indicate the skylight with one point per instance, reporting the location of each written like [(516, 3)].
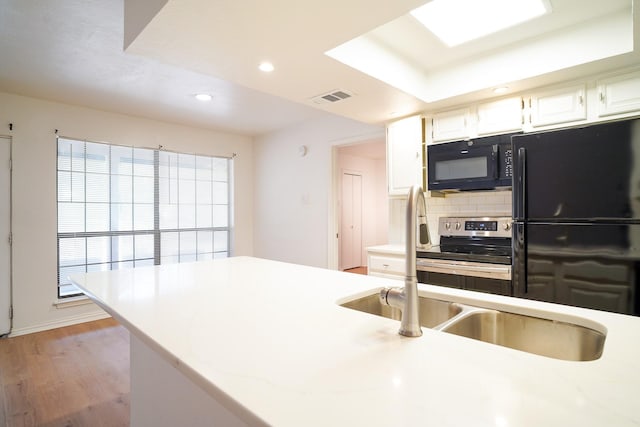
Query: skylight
[(459, 21)]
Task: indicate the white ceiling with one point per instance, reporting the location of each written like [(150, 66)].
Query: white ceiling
[(579, 37), (230, 38), (72, 51)]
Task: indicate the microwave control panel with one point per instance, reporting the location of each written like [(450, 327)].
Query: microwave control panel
[(507, 163)]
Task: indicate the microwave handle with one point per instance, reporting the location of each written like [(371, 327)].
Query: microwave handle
[(494, 161)]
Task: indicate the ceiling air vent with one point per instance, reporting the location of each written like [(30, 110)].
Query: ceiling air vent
[(331, 97)]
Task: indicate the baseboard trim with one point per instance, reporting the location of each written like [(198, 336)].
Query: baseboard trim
[(67, 321)]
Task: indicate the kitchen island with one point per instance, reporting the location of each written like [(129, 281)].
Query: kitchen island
[(246, 341)]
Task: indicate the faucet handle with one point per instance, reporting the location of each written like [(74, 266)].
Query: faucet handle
[(423, 232), (383, 296)]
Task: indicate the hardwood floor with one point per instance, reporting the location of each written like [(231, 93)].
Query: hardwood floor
[(357, 270), (72, 376)]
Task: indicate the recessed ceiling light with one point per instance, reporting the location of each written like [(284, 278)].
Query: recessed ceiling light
[(267, 67), (203, 97), (501, 89), (459, 21)]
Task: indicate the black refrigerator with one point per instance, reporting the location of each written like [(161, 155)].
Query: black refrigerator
[(576, 211)]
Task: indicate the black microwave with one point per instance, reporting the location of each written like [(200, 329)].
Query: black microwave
[(476, 164)]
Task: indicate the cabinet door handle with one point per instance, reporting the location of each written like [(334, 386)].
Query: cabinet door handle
[(602, 97), (581, 100)]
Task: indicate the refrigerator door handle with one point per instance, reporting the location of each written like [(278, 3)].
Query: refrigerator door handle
[(521, 200), (520, 259)]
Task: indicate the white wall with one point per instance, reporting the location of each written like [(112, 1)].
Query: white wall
[(34, 191), (374, 199), (292, 193)]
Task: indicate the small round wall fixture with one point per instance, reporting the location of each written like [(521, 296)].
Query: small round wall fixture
[(302, 150)]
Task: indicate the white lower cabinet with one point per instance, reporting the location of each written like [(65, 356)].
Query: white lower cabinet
[(383, 261)]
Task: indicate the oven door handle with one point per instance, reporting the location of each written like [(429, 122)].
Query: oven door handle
[(503, 272)]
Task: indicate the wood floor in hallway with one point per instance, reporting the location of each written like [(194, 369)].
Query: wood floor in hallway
[(357, 270), (73, 376)]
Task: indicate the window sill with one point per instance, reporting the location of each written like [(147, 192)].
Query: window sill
[(72, 301)]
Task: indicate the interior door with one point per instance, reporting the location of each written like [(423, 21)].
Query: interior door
[(351, 224), (5, 230)]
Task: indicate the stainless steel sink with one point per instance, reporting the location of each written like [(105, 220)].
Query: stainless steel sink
[(433, 312), (544, 337), (535, 335)]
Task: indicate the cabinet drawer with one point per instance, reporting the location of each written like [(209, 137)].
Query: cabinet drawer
[(387, 264)]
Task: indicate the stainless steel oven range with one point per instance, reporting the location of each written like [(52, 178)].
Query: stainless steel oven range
[(474, 253)]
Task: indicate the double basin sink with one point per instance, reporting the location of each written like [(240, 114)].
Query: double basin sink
[(537, 335)]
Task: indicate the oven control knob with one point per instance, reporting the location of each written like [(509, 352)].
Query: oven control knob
[(458, 226), (507, 226), (447, 225)]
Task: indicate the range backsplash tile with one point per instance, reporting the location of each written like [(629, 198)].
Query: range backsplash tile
[(493, 203)]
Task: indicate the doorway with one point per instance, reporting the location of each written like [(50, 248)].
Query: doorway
[(5, 235), (359, 167), (351, 221)]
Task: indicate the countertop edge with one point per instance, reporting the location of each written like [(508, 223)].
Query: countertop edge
[(207, 386)]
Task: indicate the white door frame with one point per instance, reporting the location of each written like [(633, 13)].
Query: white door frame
[(3, 331), (333, 227)]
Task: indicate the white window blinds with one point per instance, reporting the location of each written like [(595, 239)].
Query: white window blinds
[(123, 207)]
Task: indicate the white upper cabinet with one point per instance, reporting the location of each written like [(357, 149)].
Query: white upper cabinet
[(610, 96), (619, 94), (488, 118), (404, 154), (564, 105), (500, 116), (451, 125)]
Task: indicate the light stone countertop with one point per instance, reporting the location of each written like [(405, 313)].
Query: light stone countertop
[(392, 248), (269, 341)]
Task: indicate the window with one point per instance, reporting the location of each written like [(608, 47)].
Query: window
[(124, 207)]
